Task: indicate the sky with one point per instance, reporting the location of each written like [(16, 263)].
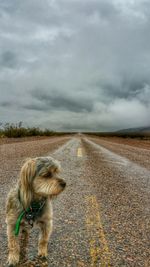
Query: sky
[(72, 65)]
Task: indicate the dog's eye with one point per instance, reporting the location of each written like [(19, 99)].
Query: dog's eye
[(48, 175)]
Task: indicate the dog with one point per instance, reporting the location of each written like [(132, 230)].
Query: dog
[(29, 204)]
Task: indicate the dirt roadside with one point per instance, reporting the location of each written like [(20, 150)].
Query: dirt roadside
[(134, 150), (134, 142)]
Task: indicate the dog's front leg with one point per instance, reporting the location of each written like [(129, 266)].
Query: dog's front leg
[(46, 230), (24, 243), (13, 246)]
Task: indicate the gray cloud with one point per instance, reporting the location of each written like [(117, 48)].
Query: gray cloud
[(8, 59), (57, 101), (75, 64), (5, 104)]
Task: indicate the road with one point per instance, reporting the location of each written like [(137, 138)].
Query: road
[(103, 216)]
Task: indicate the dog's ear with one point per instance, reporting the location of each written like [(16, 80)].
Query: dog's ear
[(26, 177)]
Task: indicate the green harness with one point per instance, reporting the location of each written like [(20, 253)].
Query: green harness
[(30, 214)]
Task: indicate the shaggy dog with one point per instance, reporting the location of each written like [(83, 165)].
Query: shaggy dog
[(29, 204)]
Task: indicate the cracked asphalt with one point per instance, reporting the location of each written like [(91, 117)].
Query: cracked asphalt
[(103, 216)]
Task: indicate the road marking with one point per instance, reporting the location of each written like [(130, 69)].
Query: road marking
[(79, 152), (99, 251)]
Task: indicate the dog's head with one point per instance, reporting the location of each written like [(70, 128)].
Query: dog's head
[(39, 178)]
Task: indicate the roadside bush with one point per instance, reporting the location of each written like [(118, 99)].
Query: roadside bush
[(18, 130), (136, 135)]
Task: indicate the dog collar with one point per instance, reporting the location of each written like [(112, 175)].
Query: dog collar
[(30, 214)]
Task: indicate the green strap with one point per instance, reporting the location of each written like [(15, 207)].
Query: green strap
[(35, 205), (17, 225)]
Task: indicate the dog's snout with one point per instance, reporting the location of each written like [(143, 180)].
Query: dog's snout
[(62, 183)]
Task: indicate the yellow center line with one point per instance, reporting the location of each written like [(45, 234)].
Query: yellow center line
[(99, 251), (79, 152)]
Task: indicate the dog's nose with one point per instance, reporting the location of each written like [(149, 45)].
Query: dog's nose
[(63, 184)]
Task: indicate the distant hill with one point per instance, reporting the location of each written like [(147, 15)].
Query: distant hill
[(141, 130)]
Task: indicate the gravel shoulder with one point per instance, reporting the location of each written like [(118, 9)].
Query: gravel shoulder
[(134, 142), (134, 150)]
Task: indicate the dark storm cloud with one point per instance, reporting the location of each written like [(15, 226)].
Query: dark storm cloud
[(126, 89), (90, 59), (5, 104), (8, 59), (58, 102)]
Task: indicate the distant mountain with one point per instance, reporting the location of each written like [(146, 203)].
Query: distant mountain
[(135, 130)]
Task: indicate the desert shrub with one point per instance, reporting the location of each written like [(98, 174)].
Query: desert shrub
[(133, 135), (18, 130)]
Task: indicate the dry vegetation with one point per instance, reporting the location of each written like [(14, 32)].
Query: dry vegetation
[(133, 135), (18, 130)]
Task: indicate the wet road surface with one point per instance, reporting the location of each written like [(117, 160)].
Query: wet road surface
[(103, 216)]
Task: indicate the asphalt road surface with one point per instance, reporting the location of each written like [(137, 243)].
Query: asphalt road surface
[(103, 216)]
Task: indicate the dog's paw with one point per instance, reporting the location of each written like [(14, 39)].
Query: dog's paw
[(40, 261)]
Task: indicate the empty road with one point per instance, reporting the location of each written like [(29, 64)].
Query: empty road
[(103, 216)]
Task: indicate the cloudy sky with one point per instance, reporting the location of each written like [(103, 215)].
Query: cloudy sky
[(75, 65)]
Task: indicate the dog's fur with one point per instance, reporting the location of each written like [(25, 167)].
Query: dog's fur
[(38, 179)]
